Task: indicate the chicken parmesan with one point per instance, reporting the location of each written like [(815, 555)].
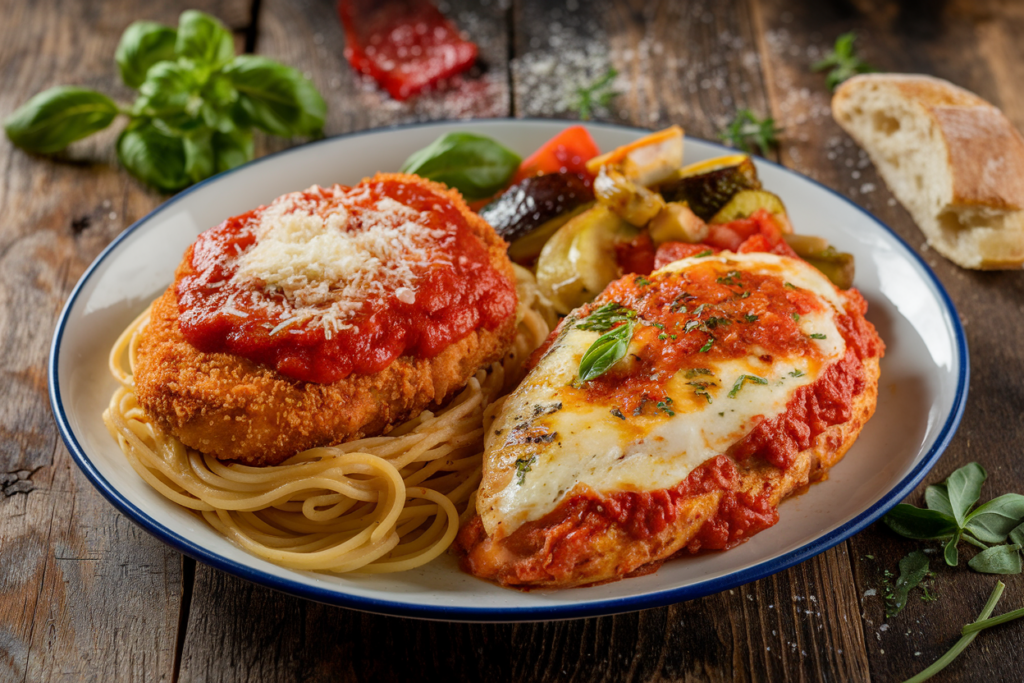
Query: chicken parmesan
[(329, 315), (672, 414)]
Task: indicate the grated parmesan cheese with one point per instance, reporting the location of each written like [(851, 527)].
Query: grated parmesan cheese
[(326, 257)]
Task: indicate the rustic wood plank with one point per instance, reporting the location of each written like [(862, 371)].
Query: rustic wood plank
[(972, 44), (84, 593)]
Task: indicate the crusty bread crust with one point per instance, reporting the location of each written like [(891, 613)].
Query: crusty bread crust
[(951, 158), (234, 409)]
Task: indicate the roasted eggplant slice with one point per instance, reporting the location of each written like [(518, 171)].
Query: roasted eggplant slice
[(534, 201), (707, 186), (580, 260)]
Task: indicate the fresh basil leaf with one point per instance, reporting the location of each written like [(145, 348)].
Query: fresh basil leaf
[(1000, 559), (142, 45), (275, 97), (55, 118), (914, 522), (995, 519), (199, 155), (913, 568), (232, 149), (153, 156), (964, 488), (203, 38), (1017, 535), (937, 498), (170, 89), (950, 553), (605, 352), (474, 165)]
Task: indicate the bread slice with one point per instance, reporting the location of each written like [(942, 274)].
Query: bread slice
[(951, 158)]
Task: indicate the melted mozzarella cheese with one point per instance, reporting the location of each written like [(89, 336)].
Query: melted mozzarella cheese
[(547, 441)]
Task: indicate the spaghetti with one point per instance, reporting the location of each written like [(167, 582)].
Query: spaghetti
[(373, 505)]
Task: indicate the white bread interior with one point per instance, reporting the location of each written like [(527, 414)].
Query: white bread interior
[(951, 158)]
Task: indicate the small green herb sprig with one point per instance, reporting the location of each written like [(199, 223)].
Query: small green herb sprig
[(842, 62), (198, 103), (600, 92), (951, 516), (747, 131)]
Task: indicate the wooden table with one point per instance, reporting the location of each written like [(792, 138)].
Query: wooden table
[(84, 594)]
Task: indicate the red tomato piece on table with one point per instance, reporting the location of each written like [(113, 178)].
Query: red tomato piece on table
[(405, 45), (567, 152)]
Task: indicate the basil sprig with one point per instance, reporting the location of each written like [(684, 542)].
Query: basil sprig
[(913, 570), (475, 165), (198, 103), (951, 516), (606, 351)]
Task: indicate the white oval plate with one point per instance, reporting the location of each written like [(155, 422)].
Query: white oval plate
[(921, 396)]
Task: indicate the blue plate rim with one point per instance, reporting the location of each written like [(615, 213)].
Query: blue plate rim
[(507, 614)]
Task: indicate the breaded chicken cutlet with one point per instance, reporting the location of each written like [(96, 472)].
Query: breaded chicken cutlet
[(330, 315)]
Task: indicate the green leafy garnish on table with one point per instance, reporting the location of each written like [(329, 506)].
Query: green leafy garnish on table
[(600, 92), (475, 165), (842, 62), (913, 570), (747, 131), (198, 103), (951, 516)]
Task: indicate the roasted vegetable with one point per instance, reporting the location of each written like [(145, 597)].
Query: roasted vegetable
[(647, 161), (837, 266), (527, 248), (745, 202), (707, 186), (635, 203), (534, 201), (579, 261), (677, 223)]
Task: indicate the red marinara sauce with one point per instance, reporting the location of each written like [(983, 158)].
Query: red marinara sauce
[(454, 290)]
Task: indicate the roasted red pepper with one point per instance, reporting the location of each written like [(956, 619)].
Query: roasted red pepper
[(405, 45), (567, 152)]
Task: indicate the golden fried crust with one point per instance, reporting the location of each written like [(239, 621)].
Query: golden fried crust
[(234, 409), (614, 554)]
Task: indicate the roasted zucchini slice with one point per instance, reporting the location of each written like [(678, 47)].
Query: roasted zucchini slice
[(635, 203), (837, 266), (580, 259), (746, 203), (677, 223), (707, 186)]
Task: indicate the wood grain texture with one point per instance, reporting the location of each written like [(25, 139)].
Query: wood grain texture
[(85, 594), (969, 44)]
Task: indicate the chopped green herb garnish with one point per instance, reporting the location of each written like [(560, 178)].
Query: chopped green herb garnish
[(796, 317), (744, 295), (713, 322), (691, 325), (662, 336), (618, 413), (605, 317), (817, 335), (701, 389), (843, 62), (732, 278), (522, 467), (694, 372), (663, 406), (658, 325), (797, 373), (750, 318), (706, 252), (641, 281), (707, 345), (742, 380), (789, 285)]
